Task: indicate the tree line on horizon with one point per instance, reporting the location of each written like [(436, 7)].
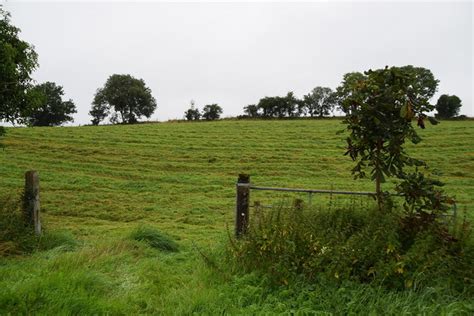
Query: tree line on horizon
[(125, 99), (320, 102)]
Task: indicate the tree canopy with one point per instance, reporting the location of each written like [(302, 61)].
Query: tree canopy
[(272, 106), (448, 106), (123, 97), (252, 110), (192, 114), (280, 107), (380, 106), (17, 61), (319, 102), (47, 107), (211, 112)]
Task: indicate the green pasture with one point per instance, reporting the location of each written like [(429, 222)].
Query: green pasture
[(101, 183)]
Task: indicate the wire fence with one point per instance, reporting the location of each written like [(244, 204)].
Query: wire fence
[(312, 197), (277, 197)]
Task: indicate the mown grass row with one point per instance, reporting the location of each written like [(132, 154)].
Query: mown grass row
[(101, 183)]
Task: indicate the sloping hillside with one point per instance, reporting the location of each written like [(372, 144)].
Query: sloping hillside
[(102, 182)]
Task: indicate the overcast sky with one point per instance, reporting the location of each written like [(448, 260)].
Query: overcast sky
[(234, 54)]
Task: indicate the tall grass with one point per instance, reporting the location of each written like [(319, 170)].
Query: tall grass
[(17, 237), (154, 238)]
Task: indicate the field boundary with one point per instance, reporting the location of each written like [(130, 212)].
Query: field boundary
[(244, 186)]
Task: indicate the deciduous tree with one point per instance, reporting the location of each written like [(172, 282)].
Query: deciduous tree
[(17, 61), (448, 106), (319, 102), (346, 89), (192, 114), (211, 112), (291, 105), (280, 107), (271, 106), (380, 106), (252, 110), (123, 97), (47, 107)]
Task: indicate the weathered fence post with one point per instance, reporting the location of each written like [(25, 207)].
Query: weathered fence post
[(298, 205), (32, 201), (242, 207)]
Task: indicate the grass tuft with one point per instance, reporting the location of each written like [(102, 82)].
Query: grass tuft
[(57, 239), (154, 238)]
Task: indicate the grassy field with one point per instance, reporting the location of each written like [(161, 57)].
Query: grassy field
[(101, 183)]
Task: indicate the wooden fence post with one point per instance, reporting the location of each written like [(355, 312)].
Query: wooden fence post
[(32, 201), (298, 205), (242, 207)]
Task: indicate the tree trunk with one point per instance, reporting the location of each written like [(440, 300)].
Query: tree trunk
[(378, 193), (378, 179)]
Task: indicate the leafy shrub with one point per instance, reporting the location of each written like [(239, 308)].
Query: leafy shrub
[(154, 238), (387, 248)]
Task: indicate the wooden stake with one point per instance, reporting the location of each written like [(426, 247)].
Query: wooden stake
[(32, 201), (242, 207)]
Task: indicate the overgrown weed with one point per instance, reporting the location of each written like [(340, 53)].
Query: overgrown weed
[(360, 245)]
